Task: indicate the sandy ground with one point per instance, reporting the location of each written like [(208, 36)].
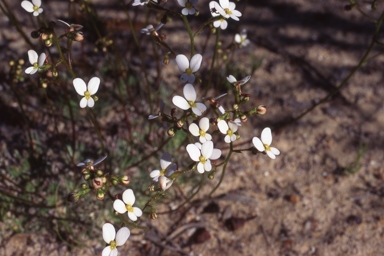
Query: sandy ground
[(302, 203)]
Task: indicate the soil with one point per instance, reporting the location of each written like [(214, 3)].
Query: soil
[(305, 202)]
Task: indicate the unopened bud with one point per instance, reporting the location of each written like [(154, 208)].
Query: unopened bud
[(48, 42), (114, 182), (213, 30), (153, 215), (79, 36), (124, 180), (235, 106), (21, 62), (246, 99), (11, 63), (99, 173), (152, 188), (211, 176), (73, 197), (238, 136), (171, 132), (104, 180), (100, 194), (166, 61), (87, 176), (198, 80), (44, 36), (261, 110), (243, 118), (97, 183), (55, 73), (95, 98), (84, 186), (165, 183), (180, 123), (85, 171), (225, 57), (197, 13), (50, 36), (44, 85)]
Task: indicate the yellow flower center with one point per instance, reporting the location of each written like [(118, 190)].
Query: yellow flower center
[(188, 5), (112, 245), (35, 8), (202, 159), (129, 208), (222, 19), (243, 39), (87, 95), (202, 133), (36, 65), (230, 133), (227, 11), (267, 148), (188, 71), (192, 104), (162, 172)]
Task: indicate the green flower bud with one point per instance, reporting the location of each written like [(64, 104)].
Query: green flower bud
[(100, 194)]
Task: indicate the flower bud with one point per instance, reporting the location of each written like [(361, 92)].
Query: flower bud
[(87, 176), (261, 110), (48, 42), (79, 36), (166, 61), (238, 136), (50, 36), (97, 183), (152, 188), (55, 73), (85, 171), (84, 186), (211, 176), (95, 98), (104, 180), (225, 57), (213, 30), (100, 194), (243, 118), (44, 85), (235, 106), (197, 13), (21, 62), (73, 197), (124, 180), (165, 183), (44, 36), (153, 215), (180, 123), (114, 182), (171, 132), (198, 80), (99, 173), (11, 63)]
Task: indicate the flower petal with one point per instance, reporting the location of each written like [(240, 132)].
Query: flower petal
[(42, 59), (28, 6), (193, 2), (204, 124), (37, 2), (180, 102), (129, 197), (194, 152), (137, 211), (236, 13), (202, 139), (155, 175), (233, 126), (201, 107), (29, 70), (132, 216), (266, 136), (109, 233), (93, 85), (192, 11), (231, 79), (216, 153), (258, 144), (208, 166), (212, 7), (270, 154), (237, 40), (113, 252), (194, 129), (119, 206), (165, 160), (275, 151), (32, 55), (80, 86), (233, 137), (83, 102), (217, 23), (189, 92), (182, 2), (227, 139), (91, 102), (197, 111), (200, 168), (185, 11), (224, 24), (171, 169), (206, 149), (106, 251), (196, 62), (234, 17), (224, 3), (223, 126), (182, 62), (208, 136), (122, 236), (220, 10), (191, 78), (184, 78)]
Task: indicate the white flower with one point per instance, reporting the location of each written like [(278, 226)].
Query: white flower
[(225, 9), (167, 168), (222, 23), (202, 131), (203, 154), (142, 2), (35, 7), (189, 101), (233, 80), (228, 129), (265, 142), (125, 205), (189, 6), (36, 62), (150, 29), (113, 239), (90, 163), (188, 67), (165, 183), (242, 38), (72, 27), (81, 89)]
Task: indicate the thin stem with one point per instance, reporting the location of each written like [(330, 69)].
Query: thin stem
[(190, 34), (213, 60), (353, 3)]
